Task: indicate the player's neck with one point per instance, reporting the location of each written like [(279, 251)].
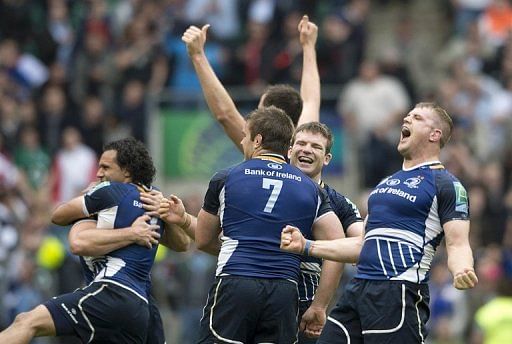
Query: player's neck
[(412, 162)]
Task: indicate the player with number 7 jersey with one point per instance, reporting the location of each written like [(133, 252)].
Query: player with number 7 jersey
[(255, 298), (255, 200)]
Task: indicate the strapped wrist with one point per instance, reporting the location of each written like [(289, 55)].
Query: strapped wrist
[(308, 246)]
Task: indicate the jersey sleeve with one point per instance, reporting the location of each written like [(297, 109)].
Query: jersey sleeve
[(346, 211), (103, 196), (324, 205), (211, 202), (452, 199)]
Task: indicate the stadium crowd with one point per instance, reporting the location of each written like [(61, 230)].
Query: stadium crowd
[(77, 74)]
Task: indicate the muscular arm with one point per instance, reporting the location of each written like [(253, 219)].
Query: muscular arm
[(68, 212), (310, 80), (219, 102), (460, 256), (85, 239), (207, 232), (175, 238)]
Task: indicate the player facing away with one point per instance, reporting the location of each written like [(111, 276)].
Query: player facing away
[(114, 307), (254, 298), (409, 213), (317, 290)]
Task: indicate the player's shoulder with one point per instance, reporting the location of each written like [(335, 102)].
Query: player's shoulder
[(224, 173)]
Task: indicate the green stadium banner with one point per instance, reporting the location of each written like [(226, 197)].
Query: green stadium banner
[(194, 145)]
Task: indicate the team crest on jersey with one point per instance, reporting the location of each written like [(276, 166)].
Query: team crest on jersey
[(461, 198), (275, 166), (413, 182), (392, 182)]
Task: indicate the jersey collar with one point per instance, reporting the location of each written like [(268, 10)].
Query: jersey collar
[(272, 157), (427, 163)]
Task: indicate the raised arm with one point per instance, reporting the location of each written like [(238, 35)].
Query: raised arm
[(460, 256), (220, 103), (85, 239), (310, 81)]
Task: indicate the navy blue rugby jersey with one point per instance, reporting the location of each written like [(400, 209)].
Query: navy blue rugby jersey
[(406, 212), (310, 267), (255, 200), (117, 205)]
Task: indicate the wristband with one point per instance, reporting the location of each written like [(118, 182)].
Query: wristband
[(307, 247)]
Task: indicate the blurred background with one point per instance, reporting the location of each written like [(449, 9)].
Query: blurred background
[(77, 74)]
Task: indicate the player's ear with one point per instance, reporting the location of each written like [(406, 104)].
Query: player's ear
[(435, 135), (258, 140), (327, 159), (289, 153)]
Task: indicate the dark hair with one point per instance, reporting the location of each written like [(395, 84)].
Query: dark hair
[(133, 157), (316, 128), (274, 126), (286, 98), (446, 122)]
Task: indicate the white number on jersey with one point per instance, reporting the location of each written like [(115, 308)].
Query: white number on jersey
[(276, 190)]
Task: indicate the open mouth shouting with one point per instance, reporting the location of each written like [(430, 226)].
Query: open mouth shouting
[(405, 133)]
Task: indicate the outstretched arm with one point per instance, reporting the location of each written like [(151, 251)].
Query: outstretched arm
[(172, 211), (342, 250), (173, 237), (217, 98), (310, 81), (460, 256)]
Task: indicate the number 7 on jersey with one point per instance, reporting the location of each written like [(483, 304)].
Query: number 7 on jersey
[(276, 190)]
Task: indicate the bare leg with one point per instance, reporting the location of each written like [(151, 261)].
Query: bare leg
[(36, 323)]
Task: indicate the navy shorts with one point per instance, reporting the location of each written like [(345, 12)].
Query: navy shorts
[(100, 313), (250, 310), (156, 333), (376, 312)]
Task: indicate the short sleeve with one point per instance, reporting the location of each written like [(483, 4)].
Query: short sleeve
[(324, 204), (103, 196), (211, 202), (452, 199)]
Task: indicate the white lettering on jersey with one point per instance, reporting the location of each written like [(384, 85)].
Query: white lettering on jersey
[(394, 191)]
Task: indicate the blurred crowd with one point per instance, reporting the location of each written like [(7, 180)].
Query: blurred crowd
[(76, 74)]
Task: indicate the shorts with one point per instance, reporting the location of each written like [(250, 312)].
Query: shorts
[(378, 312), (100, 313), (250, 310), (156, 333)]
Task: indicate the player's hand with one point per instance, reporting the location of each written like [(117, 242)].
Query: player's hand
[(151, 201), (465, 279), (313, 321), (195, 38), (308, 32), (144, 233), (292, 240), (172, 210)]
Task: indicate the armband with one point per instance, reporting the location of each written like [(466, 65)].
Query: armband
[(307, 247)]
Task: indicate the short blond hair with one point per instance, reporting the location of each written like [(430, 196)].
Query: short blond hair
[(444, 118)]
